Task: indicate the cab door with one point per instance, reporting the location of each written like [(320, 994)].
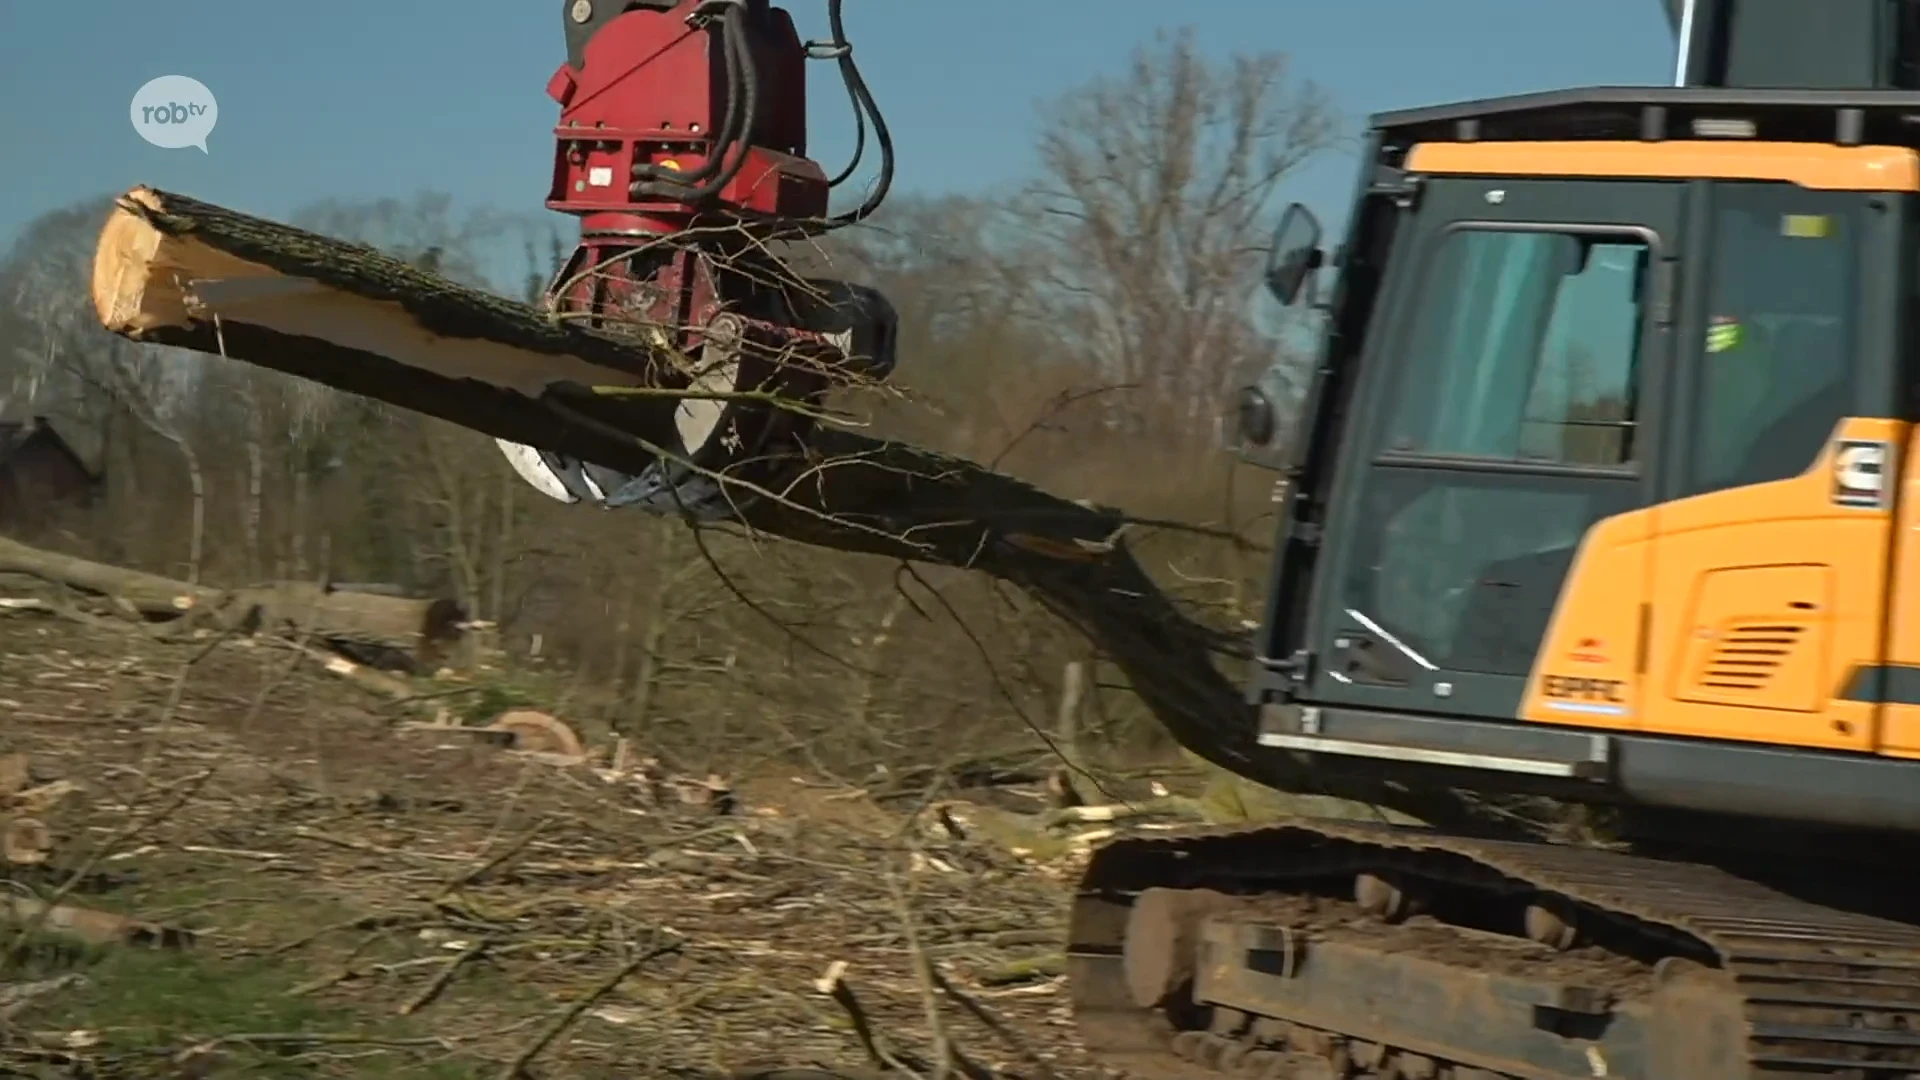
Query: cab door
[(1510, 401), (1771, 559)]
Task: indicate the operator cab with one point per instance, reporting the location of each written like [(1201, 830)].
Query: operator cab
[(1597, 484)]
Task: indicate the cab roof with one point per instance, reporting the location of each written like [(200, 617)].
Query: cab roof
[(1845, 140), (1659, 113)]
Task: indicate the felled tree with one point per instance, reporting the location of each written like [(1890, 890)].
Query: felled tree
[(179, 272)]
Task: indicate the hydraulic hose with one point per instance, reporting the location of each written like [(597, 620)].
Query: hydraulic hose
[(864, 105), (737, 128)]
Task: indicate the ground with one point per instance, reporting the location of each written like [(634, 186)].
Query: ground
[(366, 900)]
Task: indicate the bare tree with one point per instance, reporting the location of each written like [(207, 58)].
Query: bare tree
[(1154, 216)]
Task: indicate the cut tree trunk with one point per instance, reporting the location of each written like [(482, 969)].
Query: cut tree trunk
[(380, 631), (180, 272), (175, 271)]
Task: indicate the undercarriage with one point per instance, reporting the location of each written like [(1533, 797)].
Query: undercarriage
[(1328, 950)]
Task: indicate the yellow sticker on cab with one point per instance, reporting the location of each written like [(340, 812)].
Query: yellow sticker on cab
[(1806, 226)]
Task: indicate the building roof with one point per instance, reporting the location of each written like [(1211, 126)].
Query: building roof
[(15, 431)]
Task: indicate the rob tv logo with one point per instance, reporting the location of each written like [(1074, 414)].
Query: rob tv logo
[(174, 112)]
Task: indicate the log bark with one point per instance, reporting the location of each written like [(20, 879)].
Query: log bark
[(378, 630), (382, 631), (180, 272), (175, 271)]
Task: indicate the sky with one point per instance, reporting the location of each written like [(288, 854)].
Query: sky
[(370, 98)]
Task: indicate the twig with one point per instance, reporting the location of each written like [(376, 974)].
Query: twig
[(475, 873), (1000, 686), (517, 1068), (440, 981), (175, 693), (346, 972), (359, 922), (834, 985), (1059, 403), (302, 1038), (943, 1049), (992, 1023)]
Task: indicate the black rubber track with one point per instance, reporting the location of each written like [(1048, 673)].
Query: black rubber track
[(1826, 993)]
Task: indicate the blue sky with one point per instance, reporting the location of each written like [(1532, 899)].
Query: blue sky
[(362, 98)]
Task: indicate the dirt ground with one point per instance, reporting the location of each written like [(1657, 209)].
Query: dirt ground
[(367, 901)]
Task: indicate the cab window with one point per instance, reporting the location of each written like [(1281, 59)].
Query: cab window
[(1526, 349), (1774, 370)]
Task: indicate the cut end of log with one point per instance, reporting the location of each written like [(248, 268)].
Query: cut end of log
[(830, 979), (140, 273), (121, 262), (25, 842), (443, 622), (169, 269), (539, 733)]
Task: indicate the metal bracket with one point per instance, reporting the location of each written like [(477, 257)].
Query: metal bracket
[(1273, 950), (1399, 185), (1265, 948)]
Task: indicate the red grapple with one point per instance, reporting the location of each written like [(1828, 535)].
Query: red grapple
[(682, 149), (679, 110), (681, 144)]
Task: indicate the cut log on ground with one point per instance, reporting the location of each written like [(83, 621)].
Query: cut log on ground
[(381, 631), (143, 593), (92, 925), (180, 272)]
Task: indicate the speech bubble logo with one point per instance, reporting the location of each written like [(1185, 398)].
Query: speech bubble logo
[(174, 112)]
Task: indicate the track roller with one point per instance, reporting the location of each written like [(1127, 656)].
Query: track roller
[(1387, 896), (1163, 942), (1551, 922)]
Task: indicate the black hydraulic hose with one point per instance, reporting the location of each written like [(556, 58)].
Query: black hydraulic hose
[(863, 100), (841, 50), (859, 138), (730, 123), (737, 126), (736, 31)]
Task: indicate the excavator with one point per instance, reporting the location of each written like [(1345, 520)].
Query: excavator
[(1602, 496)]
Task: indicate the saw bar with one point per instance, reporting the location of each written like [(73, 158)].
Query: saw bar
[(1335, 949)]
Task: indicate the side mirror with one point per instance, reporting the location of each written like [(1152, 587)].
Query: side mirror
[(1295, 254), (1257, 419)]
